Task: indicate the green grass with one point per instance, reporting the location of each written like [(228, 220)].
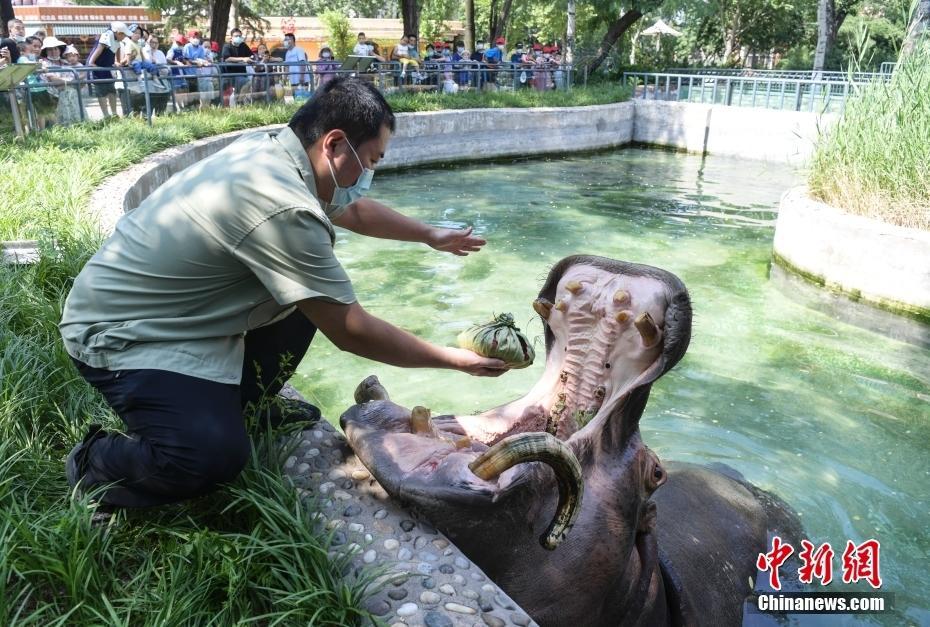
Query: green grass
[(876, 161), (577, 97), (245, 554)]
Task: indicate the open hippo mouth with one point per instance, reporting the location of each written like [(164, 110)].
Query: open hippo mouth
[(611, 329)]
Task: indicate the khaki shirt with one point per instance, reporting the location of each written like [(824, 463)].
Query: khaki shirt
[(227, 245)]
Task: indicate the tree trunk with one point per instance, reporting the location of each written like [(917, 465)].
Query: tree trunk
[(826, 35), (570, 34), (410, 11), (470, 25), (614, 32), (499, 23), (6, 13), (219, 20), (918, 28)]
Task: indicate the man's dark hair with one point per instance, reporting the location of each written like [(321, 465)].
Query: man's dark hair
[(361, 34), (235, 30), (31, 39), (349, 104), (290, 35)]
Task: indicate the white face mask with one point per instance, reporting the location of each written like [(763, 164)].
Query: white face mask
[(195, 42), (238, 39), (342, 196)]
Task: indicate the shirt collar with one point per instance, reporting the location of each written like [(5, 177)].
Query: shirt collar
[(295, 150)]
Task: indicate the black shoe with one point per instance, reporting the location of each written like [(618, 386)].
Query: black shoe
[(76, 464), (287, 411)]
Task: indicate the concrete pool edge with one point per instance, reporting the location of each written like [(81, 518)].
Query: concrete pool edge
[(837, 251), (468, 135)]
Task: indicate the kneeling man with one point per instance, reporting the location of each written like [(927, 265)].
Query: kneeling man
[(209, 293)]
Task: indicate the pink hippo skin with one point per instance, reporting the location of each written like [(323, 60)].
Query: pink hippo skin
[(565, 515)]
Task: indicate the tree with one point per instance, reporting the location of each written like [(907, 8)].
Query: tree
[(219, 19), (499, 19), (470, 24), (410, 12), (617, 27), (918, 28), (338, 32)]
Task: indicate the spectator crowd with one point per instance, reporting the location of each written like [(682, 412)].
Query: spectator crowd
[(131, 70)]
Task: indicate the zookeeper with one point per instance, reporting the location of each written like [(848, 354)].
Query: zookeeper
[(209, 293)]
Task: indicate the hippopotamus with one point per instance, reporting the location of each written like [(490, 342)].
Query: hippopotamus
[(555, 495)]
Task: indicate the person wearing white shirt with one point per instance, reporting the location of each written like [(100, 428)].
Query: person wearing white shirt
[(296, 56), (153, 54), (362, 49)]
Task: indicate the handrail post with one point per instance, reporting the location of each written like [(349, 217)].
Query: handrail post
[(148, 97)]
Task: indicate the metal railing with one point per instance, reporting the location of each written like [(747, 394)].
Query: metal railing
[(828, 76), (771, 92), (161, 89)]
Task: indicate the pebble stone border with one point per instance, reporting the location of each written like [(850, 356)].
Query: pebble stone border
[(429, 581)]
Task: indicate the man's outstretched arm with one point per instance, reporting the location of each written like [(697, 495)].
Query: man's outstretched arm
[(374, 219), (353, 329)]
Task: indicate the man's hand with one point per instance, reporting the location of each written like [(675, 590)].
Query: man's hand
[(353, 329), (476, 365), (456, 241)]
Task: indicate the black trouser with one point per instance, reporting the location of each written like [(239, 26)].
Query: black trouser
[(185, 436)]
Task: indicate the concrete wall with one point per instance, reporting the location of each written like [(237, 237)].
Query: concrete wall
[(445, 136), (879, 263), (765, 134)]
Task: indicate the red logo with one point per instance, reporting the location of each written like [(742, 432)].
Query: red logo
[(773, 559), (817, 563), (859, 562)]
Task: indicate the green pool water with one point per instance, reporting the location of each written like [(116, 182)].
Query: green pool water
[(811, 405)]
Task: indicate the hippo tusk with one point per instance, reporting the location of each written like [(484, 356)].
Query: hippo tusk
[(370, 389), (621, 296), (573, 286), (546, 448), (648, 329), (543, 307), (420, 420), (560, 305)]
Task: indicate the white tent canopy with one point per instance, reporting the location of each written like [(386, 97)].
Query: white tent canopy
[(661, 28)]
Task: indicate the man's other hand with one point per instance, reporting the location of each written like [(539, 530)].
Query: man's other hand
[(456, 241), (474, 364)]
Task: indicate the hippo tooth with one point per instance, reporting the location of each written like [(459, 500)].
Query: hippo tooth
[(464, 442), (420, 420), (560, 305), (621, 296), (573, 286), (648, 329), (543, 307), (622, 316)]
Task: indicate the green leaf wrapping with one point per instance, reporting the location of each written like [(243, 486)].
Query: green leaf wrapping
[(499, 339)]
